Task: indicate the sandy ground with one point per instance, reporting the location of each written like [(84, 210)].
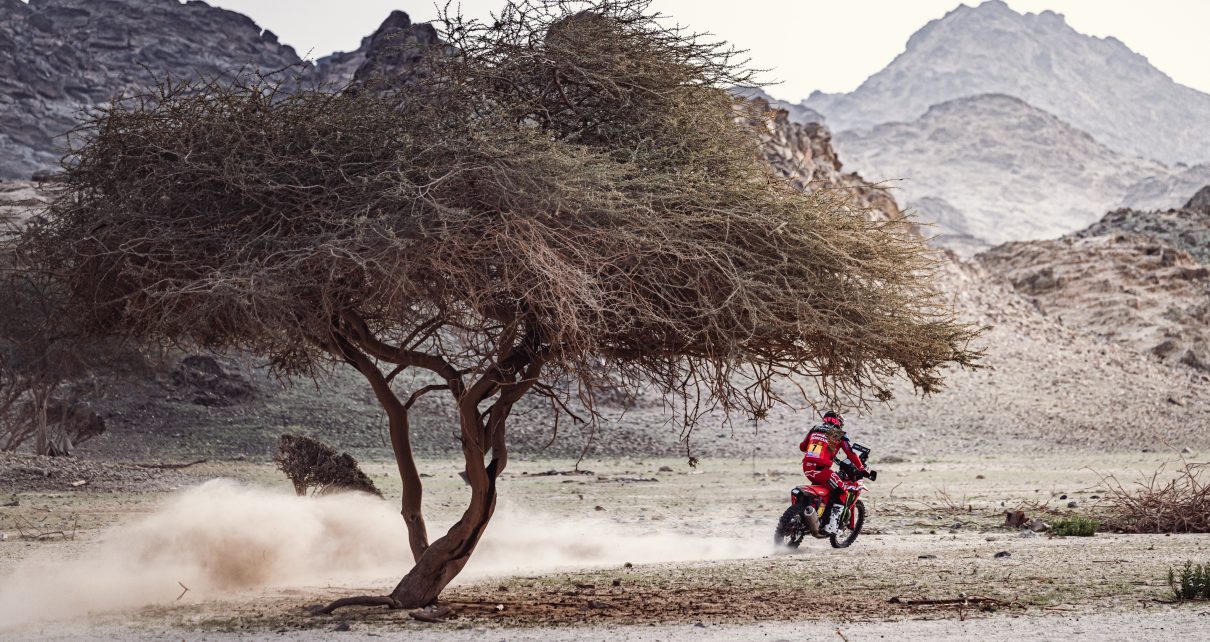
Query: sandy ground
[(554, 564)]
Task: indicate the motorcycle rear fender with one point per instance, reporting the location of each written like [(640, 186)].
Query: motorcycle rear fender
[(811, 494)]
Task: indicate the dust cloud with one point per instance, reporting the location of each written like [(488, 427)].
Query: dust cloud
[(222, 537)]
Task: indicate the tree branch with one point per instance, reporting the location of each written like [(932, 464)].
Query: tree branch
[(420, 393)]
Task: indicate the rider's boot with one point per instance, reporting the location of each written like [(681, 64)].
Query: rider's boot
[(833, 526)]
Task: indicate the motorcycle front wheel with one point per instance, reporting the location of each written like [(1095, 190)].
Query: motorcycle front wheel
[(789, 531), (847, 535)]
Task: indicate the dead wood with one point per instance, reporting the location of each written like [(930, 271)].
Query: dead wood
[(433, 616), (1159, 504), (973, 600), (172, 466), (360, 600)]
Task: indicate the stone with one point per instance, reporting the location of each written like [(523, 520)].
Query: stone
[(1002, 555), (1200, 201)]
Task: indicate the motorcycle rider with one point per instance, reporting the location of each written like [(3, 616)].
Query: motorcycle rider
[(820, 446)]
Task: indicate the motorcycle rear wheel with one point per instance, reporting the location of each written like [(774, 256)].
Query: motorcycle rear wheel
[(790, 530), (847, 536)]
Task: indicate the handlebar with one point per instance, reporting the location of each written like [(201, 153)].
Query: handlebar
[(849, 471)]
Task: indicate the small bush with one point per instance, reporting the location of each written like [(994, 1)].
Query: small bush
[(1075, 526), (310, 463), (1193, 582)]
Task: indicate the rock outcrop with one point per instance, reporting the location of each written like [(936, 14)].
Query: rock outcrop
[(397, 54), (796, 112), (1139, 279), (1186, 229), (804, 154), (1200, 201), (1097, 84), (60, 57)]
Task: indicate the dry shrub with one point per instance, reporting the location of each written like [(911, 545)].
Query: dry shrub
[(312, 464), (1151, 505)]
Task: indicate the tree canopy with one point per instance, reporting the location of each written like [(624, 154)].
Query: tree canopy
[(571, 193)]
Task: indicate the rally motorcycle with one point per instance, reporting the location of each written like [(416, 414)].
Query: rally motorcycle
[(809, 503)]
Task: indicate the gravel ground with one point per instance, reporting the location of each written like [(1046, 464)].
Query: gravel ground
[(698, 541)]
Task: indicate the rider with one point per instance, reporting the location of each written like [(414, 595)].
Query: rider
[(821, 445)]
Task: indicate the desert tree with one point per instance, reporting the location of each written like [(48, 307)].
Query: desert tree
[(570, 201), (44, 358)]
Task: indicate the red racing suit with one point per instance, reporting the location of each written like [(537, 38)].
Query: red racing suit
[(817, 460)]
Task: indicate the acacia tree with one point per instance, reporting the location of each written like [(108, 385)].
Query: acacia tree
[(572, 200)]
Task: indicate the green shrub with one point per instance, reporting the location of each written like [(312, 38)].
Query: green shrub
[(1077, 526), (1193, 583)]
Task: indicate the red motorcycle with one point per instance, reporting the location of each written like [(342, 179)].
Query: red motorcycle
[(809, 502)]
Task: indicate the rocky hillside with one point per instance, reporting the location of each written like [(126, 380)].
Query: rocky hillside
[(1186, 229), (1167, 190), (1139, 279), (58, 57), (1052, 387), (990, 169), (1097, 84), (803, 153)]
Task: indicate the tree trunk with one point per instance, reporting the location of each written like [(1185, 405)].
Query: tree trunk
[(41, 421), (446, 557), (401, 444), (437, 564)]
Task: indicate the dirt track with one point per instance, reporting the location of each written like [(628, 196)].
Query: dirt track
[(699, 540)]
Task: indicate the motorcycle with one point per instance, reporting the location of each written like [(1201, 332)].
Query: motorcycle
[(809, 502)]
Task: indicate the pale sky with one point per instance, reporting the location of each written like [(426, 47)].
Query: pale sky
[(831, 45)]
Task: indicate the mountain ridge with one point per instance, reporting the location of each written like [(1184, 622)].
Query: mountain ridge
[(1099, 85), (992, 168)]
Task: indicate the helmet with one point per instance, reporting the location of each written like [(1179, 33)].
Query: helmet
[(832, 418)]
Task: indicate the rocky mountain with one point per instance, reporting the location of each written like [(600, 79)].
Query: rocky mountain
[(1139, 279), (58, 57), (992, 168), (1168, 189), (1097, 84)]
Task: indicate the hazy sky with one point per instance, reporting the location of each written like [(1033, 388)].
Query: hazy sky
[(831, 45)]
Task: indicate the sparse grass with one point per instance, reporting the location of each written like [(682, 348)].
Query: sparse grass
[(1075, 526), (1192, 583)]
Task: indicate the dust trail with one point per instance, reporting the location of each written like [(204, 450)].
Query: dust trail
[(222, 536)]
